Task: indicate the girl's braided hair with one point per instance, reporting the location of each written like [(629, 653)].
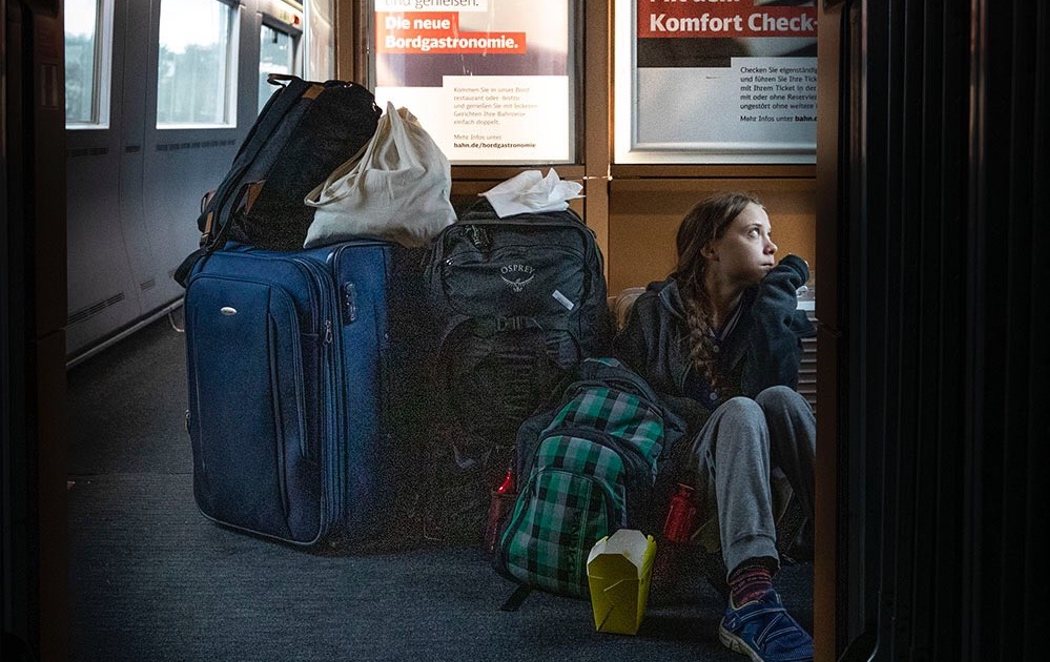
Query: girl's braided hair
[(704, 223)]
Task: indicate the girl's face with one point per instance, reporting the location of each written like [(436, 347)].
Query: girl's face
[(745, 252)]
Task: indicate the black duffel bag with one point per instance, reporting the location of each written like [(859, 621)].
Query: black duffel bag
[(304, 132)]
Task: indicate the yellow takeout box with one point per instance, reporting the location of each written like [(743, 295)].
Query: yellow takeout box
[(619, 571)]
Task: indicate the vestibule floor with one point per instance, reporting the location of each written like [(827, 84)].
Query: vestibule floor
[(152, 579)]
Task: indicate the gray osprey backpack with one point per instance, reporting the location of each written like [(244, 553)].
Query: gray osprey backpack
[(518, 301)]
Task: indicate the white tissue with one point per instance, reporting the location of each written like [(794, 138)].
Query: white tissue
[(530, 191)]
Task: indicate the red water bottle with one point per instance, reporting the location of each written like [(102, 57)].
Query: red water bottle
[(672, 549), (681, 516), (499, 506)]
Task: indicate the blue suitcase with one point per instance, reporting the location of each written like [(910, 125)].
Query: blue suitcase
[(304, 387)]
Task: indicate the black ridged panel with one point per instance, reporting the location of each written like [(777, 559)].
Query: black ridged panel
[(943, 472), (1009, 223), (1037, 462), (944, 432)]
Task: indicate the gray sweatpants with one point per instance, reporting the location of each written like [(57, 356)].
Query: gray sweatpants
[(733, 457)]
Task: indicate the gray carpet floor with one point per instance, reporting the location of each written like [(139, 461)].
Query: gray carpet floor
[(152, 579)]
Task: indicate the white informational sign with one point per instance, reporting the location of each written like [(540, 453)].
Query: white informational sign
[(716, 82), (488, 79)]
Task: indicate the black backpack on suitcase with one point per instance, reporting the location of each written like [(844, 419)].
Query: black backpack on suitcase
[(519, 301), (303, 133)]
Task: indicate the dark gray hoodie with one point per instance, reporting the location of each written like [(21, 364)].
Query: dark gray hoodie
[(762, 349)]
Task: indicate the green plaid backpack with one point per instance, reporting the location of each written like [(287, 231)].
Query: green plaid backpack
[(591, 464)]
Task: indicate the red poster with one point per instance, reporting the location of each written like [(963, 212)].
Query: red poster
[(420, 33), (675, 19)]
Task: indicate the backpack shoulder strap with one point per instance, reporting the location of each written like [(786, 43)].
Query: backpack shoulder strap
[(212, 224), (516, 599)]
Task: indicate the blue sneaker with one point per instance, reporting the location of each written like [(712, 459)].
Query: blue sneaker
[(763, 630)]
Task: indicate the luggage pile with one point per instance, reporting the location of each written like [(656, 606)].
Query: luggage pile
[(368, 370), (298, 359), (368, 389)]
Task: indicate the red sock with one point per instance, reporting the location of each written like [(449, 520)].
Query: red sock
[(750, 581)]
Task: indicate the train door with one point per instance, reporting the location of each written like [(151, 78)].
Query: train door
[(160, 93), (294, 38), (102, 286), (280, 34), (192, 116), (153, 121)]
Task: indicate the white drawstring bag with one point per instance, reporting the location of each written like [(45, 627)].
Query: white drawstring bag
[(396, 188)]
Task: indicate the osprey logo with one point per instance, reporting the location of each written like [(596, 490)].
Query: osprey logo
[(517, 275)]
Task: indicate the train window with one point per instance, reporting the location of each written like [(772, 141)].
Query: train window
[(196, 81), (276, 56), (88, 26)]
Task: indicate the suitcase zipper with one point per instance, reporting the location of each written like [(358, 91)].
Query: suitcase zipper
[(334, 462)]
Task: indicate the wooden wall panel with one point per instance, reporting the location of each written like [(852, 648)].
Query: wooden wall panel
[(644, 215)]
